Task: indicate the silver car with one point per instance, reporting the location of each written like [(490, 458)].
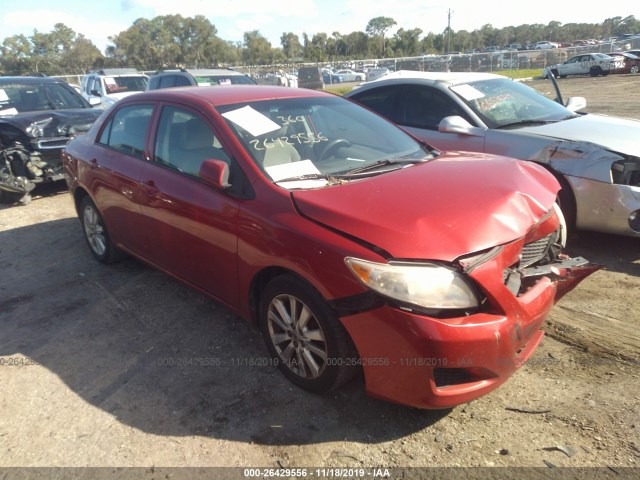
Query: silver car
[(593, 64), (595, 158)]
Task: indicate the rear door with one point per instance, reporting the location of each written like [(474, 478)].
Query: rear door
[(115, 170)]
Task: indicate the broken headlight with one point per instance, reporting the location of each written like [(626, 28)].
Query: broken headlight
[(36, 129), (425, 285)]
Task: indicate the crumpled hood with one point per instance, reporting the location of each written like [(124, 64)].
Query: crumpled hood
[(72, 121), (439, 210), (615, 134)]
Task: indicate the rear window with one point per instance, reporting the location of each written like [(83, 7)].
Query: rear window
[(206, 80), (309, 73)]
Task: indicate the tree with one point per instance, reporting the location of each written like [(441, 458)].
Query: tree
[(291, 46), (257, 49), (80, 56), (16, 55), (378, 26), (407, 42)]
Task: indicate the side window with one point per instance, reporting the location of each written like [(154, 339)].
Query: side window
[(424, 107), (127, 129), (185, 140), (86, 84), (382, 100), (95, 85)]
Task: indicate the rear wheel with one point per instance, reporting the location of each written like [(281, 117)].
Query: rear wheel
[(96, 233), (634, 69), (595, 71), (304, 336)]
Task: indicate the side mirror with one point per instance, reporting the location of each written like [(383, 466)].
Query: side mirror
[(94, 101), (215, 173), (456, 124), (95, 93), (576, 103)]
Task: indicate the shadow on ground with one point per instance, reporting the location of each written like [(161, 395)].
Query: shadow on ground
[(161, 357)]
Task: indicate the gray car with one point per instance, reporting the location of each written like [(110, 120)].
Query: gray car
[(595, 158)]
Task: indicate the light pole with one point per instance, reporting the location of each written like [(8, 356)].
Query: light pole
[(449, 30)]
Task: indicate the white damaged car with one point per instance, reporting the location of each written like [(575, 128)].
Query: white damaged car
[(596, 158)]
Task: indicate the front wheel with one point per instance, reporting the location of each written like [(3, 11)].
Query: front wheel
[(304, 336)]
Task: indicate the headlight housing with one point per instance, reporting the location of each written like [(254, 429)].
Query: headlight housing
[(626, 172), (425, 285)]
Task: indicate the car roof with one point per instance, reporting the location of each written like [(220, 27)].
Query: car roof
[(212, 71), (225, 95), (29, 79), (199, 71), (115, 72), (451, 78)]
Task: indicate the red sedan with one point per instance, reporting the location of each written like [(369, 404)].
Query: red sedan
[(352, 246)]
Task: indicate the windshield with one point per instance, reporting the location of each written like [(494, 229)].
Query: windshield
[(30, 97), (501, 102), (126, 84), (321, 137)]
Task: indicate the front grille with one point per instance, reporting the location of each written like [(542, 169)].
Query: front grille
[(535, 251), (52, 143)]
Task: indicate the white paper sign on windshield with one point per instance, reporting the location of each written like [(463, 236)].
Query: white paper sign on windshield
[(296, 169), (252, 121)]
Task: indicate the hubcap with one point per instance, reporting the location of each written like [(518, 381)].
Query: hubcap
[(94, 230), (297, 337)]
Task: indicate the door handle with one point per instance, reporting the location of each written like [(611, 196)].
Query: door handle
[(150, 187), (93, 164)]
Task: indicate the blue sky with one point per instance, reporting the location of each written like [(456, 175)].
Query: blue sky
[(98, 20)]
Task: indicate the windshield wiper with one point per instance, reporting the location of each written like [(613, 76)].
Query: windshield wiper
[(524, 123), (383, 163), (331, 179)]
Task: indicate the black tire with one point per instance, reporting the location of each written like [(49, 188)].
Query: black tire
[(554, 72), (567, 203), (96, 233), (304, 336), (595, 71), (634, 69)]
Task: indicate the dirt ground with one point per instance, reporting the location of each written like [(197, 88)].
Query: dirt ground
[(123, 366)]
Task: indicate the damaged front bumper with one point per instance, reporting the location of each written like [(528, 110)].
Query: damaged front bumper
[(21, 170), (430, 362)]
